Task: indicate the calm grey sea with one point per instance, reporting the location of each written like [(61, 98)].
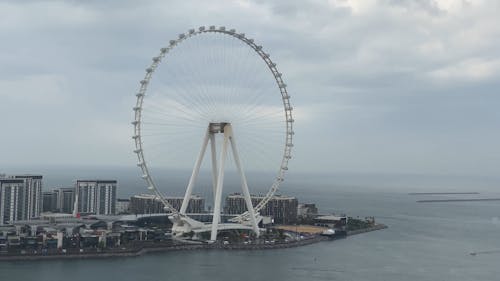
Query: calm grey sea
[(423, 242)]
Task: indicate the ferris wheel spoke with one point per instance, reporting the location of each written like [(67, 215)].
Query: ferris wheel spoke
[(164, 124), (157, 113), (191, 95), (180, 105)]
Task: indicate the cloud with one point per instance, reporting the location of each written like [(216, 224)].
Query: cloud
[(388, 85), (41, 90), (43, 15), (469, 70)]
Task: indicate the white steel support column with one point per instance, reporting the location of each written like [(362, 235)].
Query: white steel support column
[(214, 163), (218, 190), (244, 185), (194, 175)]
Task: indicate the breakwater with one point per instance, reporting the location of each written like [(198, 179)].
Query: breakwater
[(458, 200), (443, 193)]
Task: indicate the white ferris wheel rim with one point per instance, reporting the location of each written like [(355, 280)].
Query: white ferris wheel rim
[(137, 137)]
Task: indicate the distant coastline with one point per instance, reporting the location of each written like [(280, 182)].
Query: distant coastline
[(457, 200), (443, 193)]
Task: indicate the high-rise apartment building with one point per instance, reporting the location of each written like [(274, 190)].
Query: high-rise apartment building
[(60, 200), (49, 201), (96, 196), (12, 203), (20, 197), (65, 199), (34, 194)]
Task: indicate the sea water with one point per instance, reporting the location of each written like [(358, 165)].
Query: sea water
[(424, 241)]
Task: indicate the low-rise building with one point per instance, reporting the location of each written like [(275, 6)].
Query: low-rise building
[(151, 204), (338, 223), (307, 210), (122, 206), (282, 209), (196, 204)]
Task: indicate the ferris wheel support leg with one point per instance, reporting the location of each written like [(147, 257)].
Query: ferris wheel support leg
[(214, 163), (218, 190), (194, 175), (244, 185)]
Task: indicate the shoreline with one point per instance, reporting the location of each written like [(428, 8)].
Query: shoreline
[(183, 247), (364, 230)]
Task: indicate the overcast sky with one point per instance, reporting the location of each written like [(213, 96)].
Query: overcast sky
[(389, 86)]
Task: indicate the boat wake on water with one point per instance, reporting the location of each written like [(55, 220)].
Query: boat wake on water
[(485, 252)]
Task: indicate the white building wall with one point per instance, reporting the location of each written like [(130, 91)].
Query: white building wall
[(10, 199), (93, 191)]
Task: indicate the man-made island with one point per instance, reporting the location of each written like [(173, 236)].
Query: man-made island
[(88, 220), (147, 234)]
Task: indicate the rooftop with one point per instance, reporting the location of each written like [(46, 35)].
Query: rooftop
[(330, 218)]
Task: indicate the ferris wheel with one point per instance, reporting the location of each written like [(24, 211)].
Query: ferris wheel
[(218, 87)]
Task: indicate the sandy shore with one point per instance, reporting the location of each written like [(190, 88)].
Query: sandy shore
[(303, 228)]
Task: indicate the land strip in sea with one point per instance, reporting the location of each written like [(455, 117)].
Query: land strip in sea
[(311, 232)]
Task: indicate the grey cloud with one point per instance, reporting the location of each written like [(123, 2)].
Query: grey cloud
[(394, 86)]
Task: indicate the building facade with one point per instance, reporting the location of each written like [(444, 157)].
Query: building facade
[(96, 196), (150, 204), (34, 194), (307, 210), (49, 201), (122, 206), (12, 203), (282, 209), (145, 204), (59, 200), (20, 198), (338, 223), (196, 204), (65, 199)]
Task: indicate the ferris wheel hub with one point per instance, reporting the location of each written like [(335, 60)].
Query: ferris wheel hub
[(215, 128)]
